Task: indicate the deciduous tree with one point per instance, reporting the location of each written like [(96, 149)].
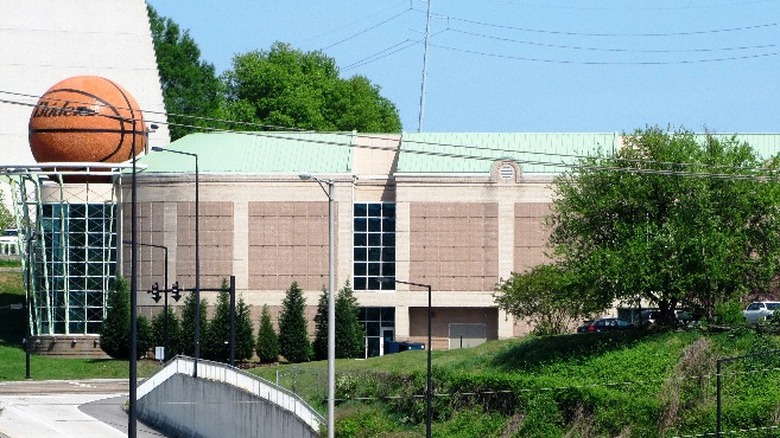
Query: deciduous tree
[(288, 88), (190, 85), (545, 297), (672, 218)]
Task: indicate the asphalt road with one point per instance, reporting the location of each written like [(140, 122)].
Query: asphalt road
[(66, 409)]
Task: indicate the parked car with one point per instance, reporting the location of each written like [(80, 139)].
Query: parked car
[(651, 316), (759, 311), (609, 324), (583, 328)]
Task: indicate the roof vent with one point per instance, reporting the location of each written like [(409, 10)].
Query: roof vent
[(507, 172)]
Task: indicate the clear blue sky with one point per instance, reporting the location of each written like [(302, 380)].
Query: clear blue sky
[(528, 65)]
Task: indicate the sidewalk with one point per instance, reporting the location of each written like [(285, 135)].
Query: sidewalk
[(65, 409)]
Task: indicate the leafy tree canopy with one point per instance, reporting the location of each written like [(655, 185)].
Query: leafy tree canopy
[(672, 218), (288, 88), (6, 218), (546, 297), (190, 86)]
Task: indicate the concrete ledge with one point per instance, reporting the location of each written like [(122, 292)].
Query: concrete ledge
[(222, 401), (86, 346)]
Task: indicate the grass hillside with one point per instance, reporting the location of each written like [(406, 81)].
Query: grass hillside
[(629, 384)]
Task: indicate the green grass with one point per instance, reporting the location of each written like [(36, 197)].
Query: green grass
[(12, 357), (629, 384), (10, 263), (632, 384)]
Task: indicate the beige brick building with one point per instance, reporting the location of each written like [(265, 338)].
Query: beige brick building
[(457, 212)]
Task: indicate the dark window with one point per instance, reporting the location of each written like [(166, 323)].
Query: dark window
[(374, 242)]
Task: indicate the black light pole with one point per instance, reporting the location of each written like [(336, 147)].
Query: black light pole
[(28, 332), (428, 386), (232, 320), (197, 251), (132, 422), (165, 282)]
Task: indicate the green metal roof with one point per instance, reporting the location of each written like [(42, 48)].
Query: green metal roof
[(766, 145), (476, 152), (433, 153), (256, 152)]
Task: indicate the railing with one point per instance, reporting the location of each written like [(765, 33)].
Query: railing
[(226, 374)]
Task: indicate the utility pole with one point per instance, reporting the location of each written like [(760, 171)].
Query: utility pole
[(424, 69)]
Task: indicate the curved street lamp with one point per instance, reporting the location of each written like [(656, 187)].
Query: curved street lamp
[(197, 250), (331, 300)]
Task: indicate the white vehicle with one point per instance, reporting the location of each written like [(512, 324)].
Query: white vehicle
[(759, 311)]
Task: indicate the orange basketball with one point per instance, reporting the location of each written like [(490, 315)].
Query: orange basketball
[(86, 119)]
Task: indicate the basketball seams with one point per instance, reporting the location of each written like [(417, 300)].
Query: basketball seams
[(79, 141), (132, 117)]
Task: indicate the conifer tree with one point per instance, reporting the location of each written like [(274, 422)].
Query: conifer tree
[(294, 342), (173, 328), (321, 327), (349, 330), (115, 330), (245, 339), (216, 343), (187, 340), (267, 340), (143, 336)]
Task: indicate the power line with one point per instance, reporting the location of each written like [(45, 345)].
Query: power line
[(608, 49), (571, 62), (340, 27), (368, 29), (492, 154), (384, 53), (609, 34)]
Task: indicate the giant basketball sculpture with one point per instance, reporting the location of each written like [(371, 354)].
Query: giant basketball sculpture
[(87, 119)]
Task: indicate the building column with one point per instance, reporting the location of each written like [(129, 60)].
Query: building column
[(402, 322), (506, 258), (240, 265)]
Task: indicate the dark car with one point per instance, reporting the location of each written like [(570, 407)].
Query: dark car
[(609, 324), (583, 328)]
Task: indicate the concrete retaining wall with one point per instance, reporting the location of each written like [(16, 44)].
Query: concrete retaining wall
[(219, 404)]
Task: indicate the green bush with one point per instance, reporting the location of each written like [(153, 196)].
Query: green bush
[(728, 313), (365, 421)]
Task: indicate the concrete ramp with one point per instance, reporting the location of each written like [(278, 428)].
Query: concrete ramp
[(222, 402)]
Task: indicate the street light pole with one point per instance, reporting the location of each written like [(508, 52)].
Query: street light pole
[(28, 332), (331, 301), (197, 251), (428, 382), (165, 282), (132, 423)]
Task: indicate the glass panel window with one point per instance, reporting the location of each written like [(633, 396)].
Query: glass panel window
[(374, 242), (79, 262)]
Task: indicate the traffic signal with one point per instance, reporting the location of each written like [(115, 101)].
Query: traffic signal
[(155, 292), (175, 291)]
